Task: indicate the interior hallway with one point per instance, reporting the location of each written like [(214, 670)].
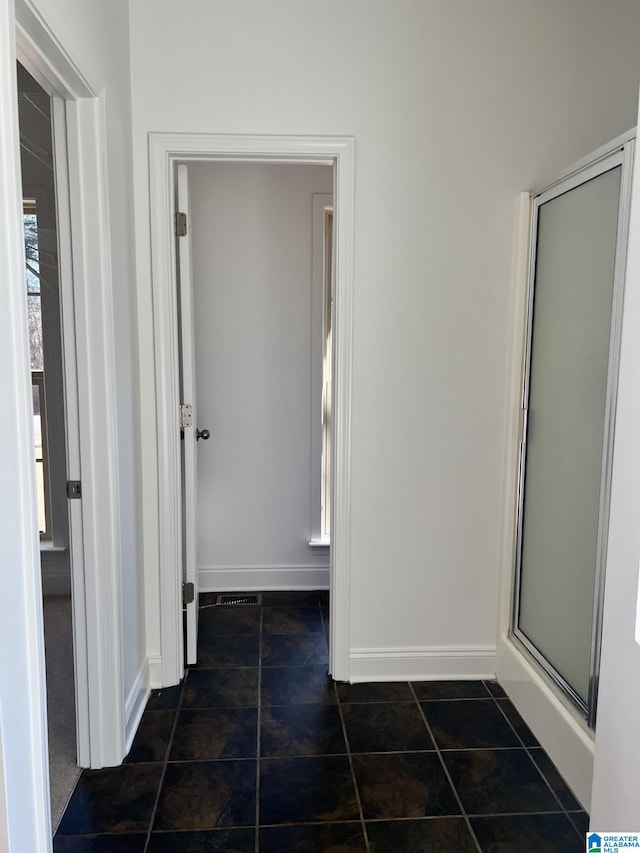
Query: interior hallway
[(257, 750)]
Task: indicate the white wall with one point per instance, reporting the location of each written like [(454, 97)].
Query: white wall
[(455, 107), (616, 779), (251, 238)]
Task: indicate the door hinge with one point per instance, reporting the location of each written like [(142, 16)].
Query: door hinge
[(188, 593), (181, 224), (74, 489), (186, 415)]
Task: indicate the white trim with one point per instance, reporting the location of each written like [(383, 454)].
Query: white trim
[(239, 579), (557, 727), (22, 683), (513, 409), (87, 320), (4, 817), (99, 450), (423, 663), (165, 150), (135, 704), (154, 663), (56, 575)]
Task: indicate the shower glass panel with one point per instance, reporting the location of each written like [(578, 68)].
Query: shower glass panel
[(567, 392)]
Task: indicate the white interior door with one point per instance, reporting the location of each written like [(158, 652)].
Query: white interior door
[(189, 422)]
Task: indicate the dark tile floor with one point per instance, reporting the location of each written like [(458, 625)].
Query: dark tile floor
[(259, 751)]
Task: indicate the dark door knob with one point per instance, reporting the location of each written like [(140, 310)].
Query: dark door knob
[(203, 434)]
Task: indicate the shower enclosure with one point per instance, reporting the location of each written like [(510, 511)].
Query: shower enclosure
[(578, 247)]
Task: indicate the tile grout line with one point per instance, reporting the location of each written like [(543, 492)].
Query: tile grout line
[(165, 763), (446, 771), (351, 767), (528, 749), (259, 731)]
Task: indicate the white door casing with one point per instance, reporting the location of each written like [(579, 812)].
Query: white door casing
[(165, 151), (188, 397), (89, 357)]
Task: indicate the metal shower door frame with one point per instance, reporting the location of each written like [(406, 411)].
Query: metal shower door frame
[(618, 153)]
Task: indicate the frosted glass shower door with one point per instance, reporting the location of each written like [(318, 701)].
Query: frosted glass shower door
[(567, 389)]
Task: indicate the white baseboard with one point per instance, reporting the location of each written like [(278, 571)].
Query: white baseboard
[(56, 583), (422, 663), (55, 571), (565, 737), (155, 672), (135, 704), (244, 578)]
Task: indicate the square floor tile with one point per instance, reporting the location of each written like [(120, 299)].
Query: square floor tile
[(400, 785), (435, 835), (222, 650), (207, 794), (125, 843), (432, 690), (555, 780), (207, 599), (389, 691), (207, 841), (306, 790), (221, 688), (544, 833), (152, 738), (115, 799), (468, 724), (291, 598), (580, 820), (301, 730), (522, 729), (229, 620), (292, 620), (294, 649), (165, 698), (495, 689), (297, 685), (499, 782), (312, 838), (210, 733), (386, 727)]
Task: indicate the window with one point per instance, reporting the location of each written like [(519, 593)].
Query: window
[(321, 360), (325, 512), (34, 310)]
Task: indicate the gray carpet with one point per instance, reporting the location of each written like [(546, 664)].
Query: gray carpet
[(58, 639)]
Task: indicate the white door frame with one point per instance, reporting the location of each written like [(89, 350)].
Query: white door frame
[(90, 390), (165, 151)]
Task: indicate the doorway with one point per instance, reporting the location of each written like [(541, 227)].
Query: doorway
[(50, 448), (86, 355), (252, 243), (166, 151)]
